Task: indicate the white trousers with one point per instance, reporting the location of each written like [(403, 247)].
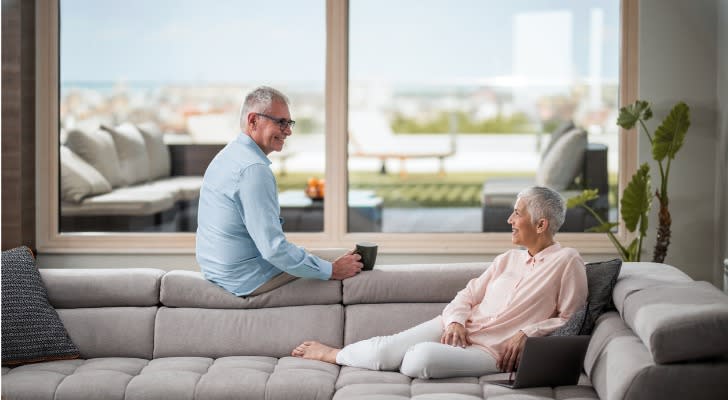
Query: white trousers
[(418, 353)]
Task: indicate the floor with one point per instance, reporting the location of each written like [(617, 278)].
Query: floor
[(428, 220)]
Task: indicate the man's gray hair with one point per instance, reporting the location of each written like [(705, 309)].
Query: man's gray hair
[(542, 202), (259, 100)]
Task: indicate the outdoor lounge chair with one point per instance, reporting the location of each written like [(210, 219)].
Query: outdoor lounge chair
[(370, 135)]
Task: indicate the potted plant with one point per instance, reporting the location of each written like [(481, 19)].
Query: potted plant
[(636, 200)]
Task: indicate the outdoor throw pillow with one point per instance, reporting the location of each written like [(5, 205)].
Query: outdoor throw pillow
[(601, 278), (31, 328)]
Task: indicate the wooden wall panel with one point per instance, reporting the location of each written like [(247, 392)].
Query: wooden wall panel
[(18, 123)]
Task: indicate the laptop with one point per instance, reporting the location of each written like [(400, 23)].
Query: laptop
[(549, 361)]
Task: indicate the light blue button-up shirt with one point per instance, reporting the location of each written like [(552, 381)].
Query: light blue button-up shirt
[(240, 241)]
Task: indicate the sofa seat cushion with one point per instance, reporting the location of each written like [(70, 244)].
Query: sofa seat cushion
[(190, 289), (182, 188), (502, 192), (361, 384), (133, 201), (172, 378)]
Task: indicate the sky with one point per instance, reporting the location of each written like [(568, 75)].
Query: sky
[(284, 40)]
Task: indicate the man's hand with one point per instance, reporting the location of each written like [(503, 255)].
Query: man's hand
[(512, 353), (455, 335), (346, 266)]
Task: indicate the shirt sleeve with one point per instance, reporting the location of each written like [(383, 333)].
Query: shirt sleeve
[(258, 197), (460, 308), (572, 297)]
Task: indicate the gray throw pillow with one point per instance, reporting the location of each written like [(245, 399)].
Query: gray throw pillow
[(31, 328), (560, 130), (601, 278), (574, 325), (564, 161)]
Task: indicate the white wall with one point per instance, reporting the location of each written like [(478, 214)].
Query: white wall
[(678, 62), (722, 148)]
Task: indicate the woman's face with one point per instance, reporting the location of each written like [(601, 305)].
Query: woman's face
[(523, 232)]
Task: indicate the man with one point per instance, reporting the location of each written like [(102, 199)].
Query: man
[(240, 242)]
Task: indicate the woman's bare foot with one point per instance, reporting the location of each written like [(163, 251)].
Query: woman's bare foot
[(316, 351)]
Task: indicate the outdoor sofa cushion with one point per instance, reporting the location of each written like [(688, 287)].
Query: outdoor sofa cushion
[(131, 151), (564, 161), (79, 179), (98, 149)]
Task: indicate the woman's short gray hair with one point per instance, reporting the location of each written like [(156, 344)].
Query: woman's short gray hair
[(542, 202), (259, 100)]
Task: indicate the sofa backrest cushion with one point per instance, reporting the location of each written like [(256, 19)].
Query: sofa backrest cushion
[(79, 179), (111, 331), (636, 276), (412, 283), (190, 289), (160, 164), (107, 287), (364, 321), (98, 149), (680, 322), (564, 161), (132, 152), (273, 332)]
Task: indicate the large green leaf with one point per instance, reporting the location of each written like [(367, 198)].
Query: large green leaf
[(629, 115), (603, 228), (637, 200), (669, 137), (582, 198)]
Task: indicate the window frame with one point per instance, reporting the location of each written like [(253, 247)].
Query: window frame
[(334, 235)]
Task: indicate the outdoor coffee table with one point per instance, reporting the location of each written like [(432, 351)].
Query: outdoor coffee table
[(301, 214)]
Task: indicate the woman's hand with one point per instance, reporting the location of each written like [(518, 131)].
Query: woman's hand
[(508, 361), (455, 335)]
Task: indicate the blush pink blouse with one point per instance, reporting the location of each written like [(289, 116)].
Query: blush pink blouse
[(535, 294)]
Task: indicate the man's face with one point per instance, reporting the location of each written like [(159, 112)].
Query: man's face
[(266, 132)]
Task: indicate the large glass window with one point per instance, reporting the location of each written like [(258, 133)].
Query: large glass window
[(456, 106), (425, 118), (150, 91)]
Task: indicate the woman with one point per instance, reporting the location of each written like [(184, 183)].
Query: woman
[(529, 292)]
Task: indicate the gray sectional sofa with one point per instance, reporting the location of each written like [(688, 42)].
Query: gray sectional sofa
[(151, 334)]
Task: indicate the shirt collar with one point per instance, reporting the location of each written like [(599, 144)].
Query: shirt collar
[(541, 255), (248, 142)]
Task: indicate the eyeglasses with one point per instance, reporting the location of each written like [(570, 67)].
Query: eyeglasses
[(282, 122)]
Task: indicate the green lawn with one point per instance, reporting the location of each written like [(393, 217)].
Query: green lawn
[(460, 189)]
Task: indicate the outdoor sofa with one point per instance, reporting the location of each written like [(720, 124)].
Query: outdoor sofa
[(569, 164), (151, 334), (121, 179)]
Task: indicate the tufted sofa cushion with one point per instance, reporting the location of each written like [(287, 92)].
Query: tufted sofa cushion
[(174, 378)]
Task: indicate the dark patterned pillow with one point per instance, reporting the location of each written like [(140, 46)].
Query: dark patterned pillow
[(601, 278), (31, 328), (574, 325)]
